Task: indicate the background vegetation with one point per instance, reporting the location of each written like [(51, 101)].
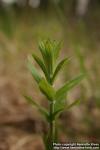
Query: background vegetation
[(21, 27)]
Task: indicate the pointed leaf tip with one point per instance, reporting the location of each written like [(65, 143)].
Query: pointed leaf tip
[(76, 102), (34, 72)]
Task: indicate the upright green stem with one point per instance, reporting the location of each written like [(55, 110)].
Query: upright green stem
[(51, 125), (50, 136)]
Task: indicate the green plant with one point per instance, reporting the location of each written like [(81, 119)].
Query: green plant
[(56, 97)]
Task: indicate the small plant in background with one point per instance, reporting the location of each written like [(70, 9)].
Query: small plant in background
[(56, 97)]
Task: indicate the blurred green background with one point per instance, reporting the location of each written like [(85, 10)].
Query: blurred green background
[(22, 24)]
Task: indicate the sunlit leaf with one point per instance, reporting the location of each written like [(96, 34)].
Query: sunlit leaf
[(47, 89), (41, 64)]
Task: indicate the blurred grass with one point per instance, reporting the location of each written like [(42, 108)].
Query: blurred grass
[(20, 31), (22, 28)]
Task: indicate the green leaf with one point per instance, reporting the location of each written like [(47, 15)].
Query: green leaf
[(42, 49), (41, 64), (60, 103), (49, 56), (40, 108), (56, 113), (68, 86), (59, 67), (46, 51), (34, 72), (64, 107), (47, 89), (72, 104)]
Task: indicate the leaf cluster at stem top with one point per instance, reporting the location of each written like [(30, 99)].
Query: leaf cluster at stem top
[(50, 52)]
